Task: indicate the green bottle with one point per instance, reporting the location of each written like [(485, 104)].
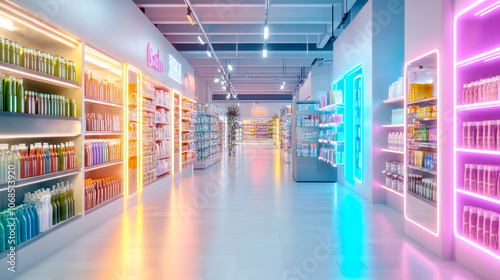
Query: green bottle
[(2, 98), (12, 53), (20, 96), (6, 53), (55, 216), (64, 205), (13, 92), (7, 94)]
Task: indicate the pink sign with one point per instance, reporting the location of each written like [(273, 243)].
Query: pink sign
[(154, 59)]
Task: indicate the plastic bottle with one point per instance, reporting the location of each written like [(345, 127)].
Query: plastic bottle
[(64, 204), (20, 96), (55, 207), (3, 239)]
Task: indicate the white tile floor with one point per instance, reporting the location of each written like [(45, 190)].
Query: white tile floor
[(246, 218)]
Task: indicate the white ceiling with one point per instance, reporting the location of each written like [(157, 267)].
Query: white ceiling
[(299, 31)]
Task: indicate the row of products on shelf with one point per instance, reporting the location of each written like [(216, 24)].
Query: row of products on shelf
[(332, 155), (148, 90), (148, 105), (419, 92), (482, 179), (162, 116), (398, 116), (102, 89), (38, 159), (188, 105), (307, 121), (416, 112), (162, 98), (307, 150), (132, 114), (98, 191), (422, 133), (309, 135), (307, 107), (162, 132), (148, 118), (395, 183), (13, 53), (102, 122), (423, 187), (396, 89), (163, 166), (148, 132), (331, 135), (101, 151), (422, 159), (331, 98), (395, 167), (188, 115), (148, 146), (163, 148), (331, 118), (188, 146), (396, 141), (207, 110), (187, 126), (40, 211), (188, 158), (14, 99), (483, 90), (481, 226), (481, 135)]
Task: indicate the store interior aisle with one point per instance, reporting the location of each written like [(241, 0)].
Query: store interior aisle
[(245, 218)]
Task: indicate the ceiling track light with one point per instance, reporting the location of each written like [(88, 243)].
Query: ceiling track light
[(190, 16), (216, 80), (282, 87), (266, 32), (209, 53), (201, 40), (229, 67)]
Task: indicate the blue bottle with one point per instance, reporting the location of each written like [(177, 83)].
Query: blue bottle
[(3, 220), (36, 218), (23, 224), (31, 224), (28, 221)]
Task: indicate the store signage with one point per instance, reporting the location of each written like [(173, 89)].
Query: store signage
[(259, 111), (174, 69), (190, 83), (154, 59)]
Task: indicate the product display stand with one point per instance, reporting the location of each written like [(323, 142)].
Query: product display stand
[(257, 129), (421, 149), (306, 165), (208, 137), (41, 133), (476, 189), (188, 118), (133, 95), (285, 133), (104, 127), (394, 166)]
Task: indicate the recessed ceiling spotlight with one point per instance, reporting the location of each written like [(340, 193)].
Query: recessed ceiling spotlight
[(216, 80)]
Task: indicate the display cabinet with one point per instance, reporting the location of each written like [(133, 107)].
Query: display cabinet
[(208, 136)]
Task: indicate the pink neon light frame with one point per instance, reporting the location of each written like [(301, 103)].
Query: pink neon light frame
[(438, 83), (456, 65)]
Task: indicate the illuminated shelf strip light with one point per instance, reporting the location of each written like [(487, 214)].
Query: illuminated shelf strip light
[(39, 77), (115, 63), (38, 135), (66, 40), (480, 196), (392, 100), (103, 102), (103, 165), (42, 178), (479, 105), (393, 191), (438, 195), (475, 151), (481, 57), (488, 9), (393, 151), (394, 125)]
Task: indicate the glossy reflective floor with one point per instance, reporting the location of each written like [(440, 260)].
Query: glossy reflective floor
[(246, 218)]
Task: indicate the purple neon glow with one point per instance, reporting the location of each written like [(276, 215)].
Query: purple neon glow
[(466, 24), (488, 9), (479, 57), (476, 106), (476, 195), (391, 190)]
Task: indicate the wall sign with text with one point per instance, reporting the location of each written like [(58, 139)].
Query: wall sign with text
[(259, 111), (154, 59), (174, 69)]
